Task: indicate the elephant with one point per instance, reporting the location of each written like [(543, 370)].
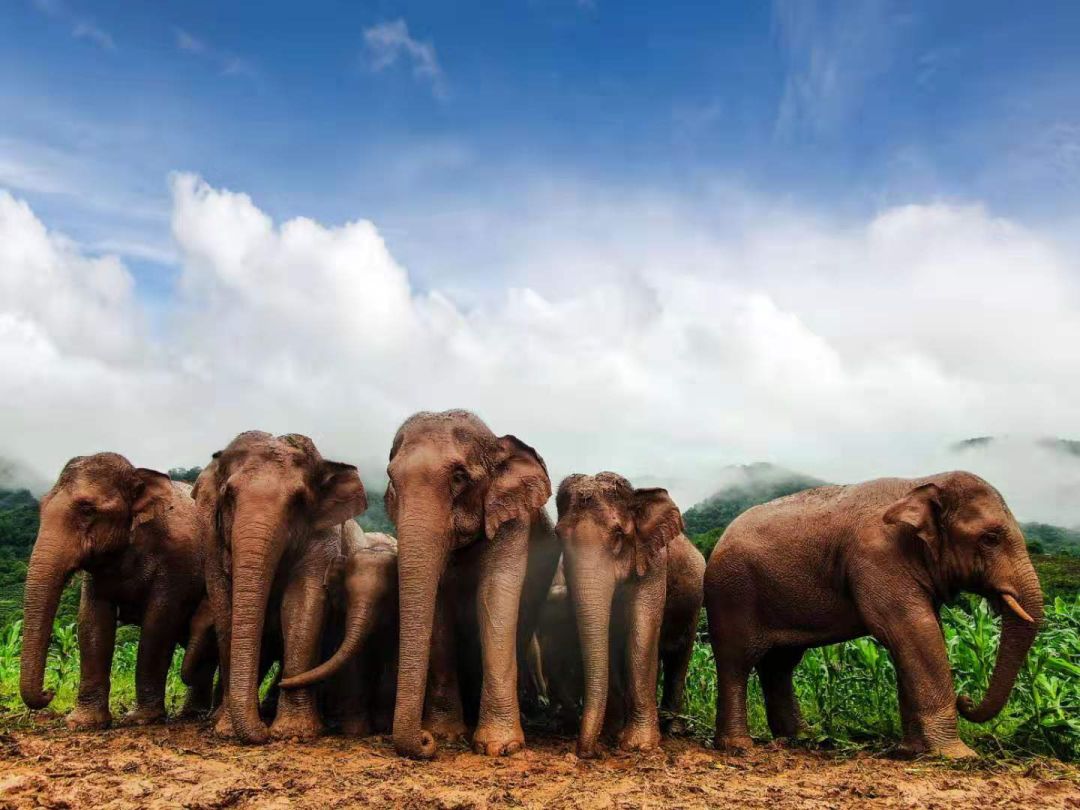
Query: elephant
[(280, 513), (138, 538), (476, 555), (635, 583), (362, 670), (877, 558)]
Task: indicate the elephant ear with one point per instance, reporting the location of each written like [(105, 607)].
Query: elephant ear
[(920, 513), (340, 495), (519, 485), (657, 521), (152, 490)]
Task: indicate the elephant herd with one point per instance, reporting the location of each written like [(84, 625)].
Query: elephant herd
[(481, 609)]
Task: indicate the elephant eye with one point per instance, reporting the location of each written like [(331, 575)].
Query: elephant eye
[(85, 508), (991, 538), (459, 476)]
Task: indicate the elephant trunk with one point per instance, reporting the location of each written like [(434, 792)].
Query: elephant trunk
[(1018, 630), (422, 556), (51, 565), (591, 582), (366, 596), (255, 557)]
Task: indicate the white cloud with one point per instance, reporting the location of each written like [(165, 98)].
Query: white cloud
[(388, 42), (81, 27), (227, 63), (640, 339)]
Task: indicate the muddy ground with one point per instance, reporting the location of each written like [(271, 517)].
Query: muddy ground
[(184, 766)]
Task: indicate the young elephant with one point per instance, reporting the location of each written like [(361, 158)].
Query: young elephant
[(625, 554), (363, 669), (877, 558), (138, 537), (279, 513)]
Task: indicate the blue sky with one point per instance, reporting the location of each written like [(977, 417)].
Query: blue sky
[(843, 106), (641, 229)]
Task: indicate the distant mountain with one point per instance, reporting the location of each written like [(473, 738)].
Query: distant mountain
[(743, 486), (375, 518), (1070, 447), (15, 475)]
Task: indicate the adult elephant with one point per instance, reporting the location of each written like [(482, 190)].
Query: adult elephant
[(138, 537), (280, 514), (877, 558), (468, 504)]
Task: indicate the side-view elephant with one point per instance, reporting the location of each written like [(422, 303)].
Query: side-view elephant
[(138, 538), (361, 673), (279, 511), (877, 558), (468, 506), (635, 582)]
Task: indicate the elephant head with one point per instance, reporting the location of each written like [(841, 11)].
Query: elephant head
[(87, 518), (452, 483), (960, 535), (610, 533), (267, 497)]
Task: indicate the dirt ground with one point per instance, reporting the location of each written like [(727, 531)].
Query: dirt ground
[(184, 766)]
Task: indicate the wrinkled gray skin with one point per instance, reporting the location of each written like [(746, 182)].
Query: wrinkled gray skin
[(468, 506), (623, 548), (361, 672), (138, 537), (877, 558), (277, 510)]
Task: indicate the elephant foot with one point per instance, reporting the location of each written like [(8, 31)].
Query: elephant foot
[(446, 728), (734, 744), (88, 718), (640, 737), (954, 750), (422, 747), (674, 726), (296, 726), (145, 716), (356, 725), (498, 740), (223, 726), (587, 749)]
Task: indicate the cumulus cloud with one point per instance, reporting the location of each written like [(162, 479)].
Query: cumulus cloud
[(388, 42), (846, 351)]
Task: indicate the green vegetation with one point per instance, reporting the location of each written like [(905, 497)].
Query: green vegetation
[(375, 518), (847, 691)]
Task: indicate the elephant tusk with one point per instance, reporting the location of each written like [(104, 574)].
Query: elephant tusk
[(1010, 600)]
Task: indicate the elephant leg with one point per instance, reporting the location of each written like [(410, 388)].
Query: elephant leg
[(97, 638), (444, 716), (775, 670), (157, 640), (544, 553), (676, 664), (350, 694), (199, 699), (302, 611), (732, 673), (645, 609), (914, 639), (503, 563), (219, 594)]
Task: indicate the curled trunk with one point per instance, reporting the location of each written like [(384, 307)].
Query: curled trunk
[(51, 565), (422, 555), (1017, 635), (591, 584), (365, 601)]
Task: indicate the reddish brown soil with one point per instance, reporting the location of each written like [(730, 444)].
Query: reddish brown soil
[(184, 766)]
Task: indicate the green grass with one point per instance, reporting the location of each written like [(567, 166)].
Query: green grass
[(847, 691)]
